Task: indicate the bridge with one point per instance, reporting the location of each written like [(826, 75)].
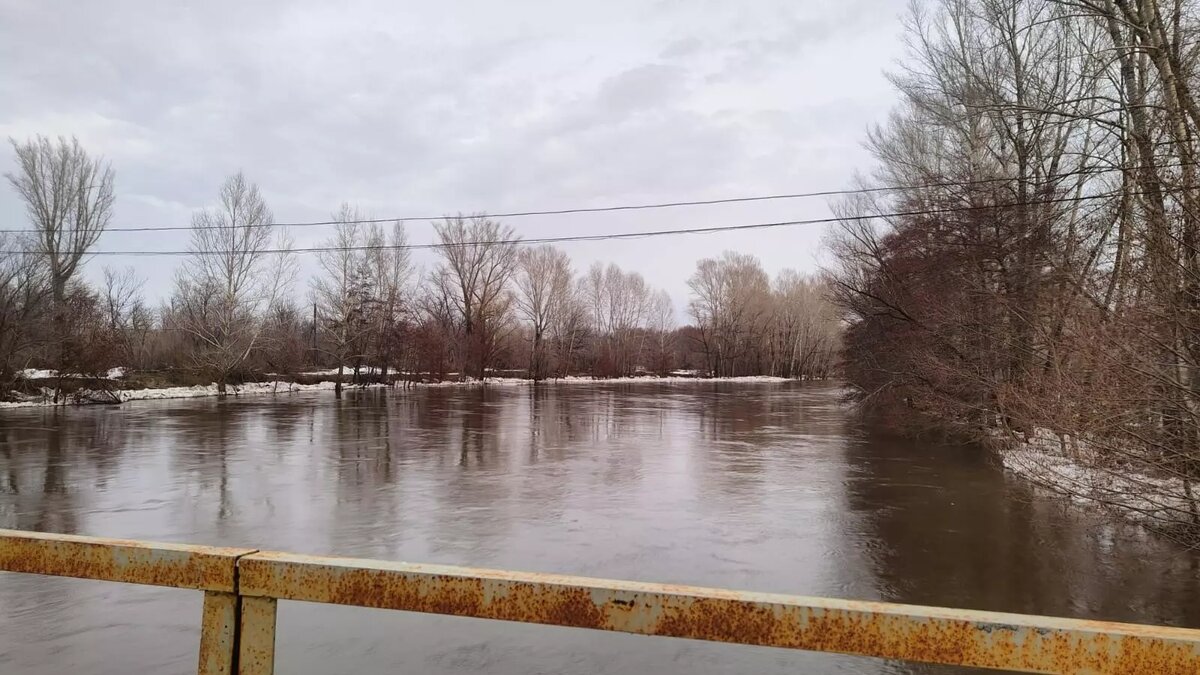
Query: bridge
[(242, 587)]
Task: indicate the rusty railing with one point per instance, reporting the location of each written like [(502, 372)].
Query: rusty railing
[(241, 588)]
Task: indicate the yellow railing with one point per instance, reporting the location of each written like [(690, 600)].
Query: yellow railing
[(241, 588)]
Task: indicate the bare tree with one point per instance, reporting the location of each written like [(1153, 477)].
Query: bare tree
[(439, 337), (479, 256), (805, 334), (661, 324), (69, 197), (569, 331), (619, 304), (731, 305), (125, 312), (231, 279), (142, 328), (23, 290), (342, 293), (95, 347), (544, 284), (120, 295), (390, 269), (283, 345)]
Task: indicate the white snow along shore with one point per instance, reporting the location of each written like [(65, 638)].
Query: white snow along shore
[(1130, 494), (260, 388)]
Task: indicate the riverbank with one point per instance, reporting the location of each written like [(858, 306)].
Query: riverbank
[(281, 387), (1077, 472)]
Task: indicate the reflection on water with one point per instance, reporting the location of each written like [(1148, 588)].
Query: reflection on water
[(760, 487)]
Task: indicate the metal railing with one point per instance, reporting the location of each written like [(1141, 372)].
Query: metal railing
[(242, 586)]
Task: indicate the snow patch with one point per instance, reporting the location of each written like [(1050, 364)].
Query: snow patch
[(36, 374), (45, 374), (1079, 474), (580, 379), (260, 388), (198, 391), (347, 372)]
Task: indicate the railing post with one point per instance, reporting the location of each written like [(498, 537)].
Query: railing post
[(256, 638), (218, 633)]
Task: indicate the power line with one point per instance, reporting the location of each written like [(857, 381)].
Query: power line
[(634, 207), (606, 237)]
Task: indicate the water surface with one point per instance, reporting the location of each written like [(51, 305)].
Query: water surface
[(763, 487)]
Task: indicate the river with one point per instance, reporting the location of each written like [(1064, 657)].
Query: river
[(765, 487)]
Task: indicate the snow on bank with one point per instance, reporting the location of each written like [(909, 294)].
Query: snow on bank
[(1077, 474), (248, 389), (346, 373), (675, 376), (198, 391), (760, 379), (44, 374), (577, 379), (259, 388)]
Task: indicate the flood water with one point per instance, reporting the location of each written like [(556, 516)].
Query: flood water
[(762, 487)]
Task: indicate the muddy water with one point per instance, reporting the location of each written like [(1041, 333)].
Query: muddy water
[(762, 487)]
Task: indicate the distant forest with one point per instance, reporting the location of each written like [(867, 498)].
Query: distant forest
[(492, 304)]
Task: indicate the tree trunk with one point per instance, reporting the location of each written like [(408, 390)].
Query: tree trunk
[(535, 359)]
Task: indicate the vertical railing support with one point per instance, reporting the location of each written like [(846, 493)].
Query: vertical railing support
[(256, 637), (218, 633)]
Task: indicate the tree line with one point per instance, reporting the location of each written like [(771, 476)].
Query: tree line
[(490, 304), (1032, 267)]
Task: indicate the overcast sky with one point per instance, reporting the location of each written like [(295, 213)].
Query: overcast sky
[(416, 108)]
